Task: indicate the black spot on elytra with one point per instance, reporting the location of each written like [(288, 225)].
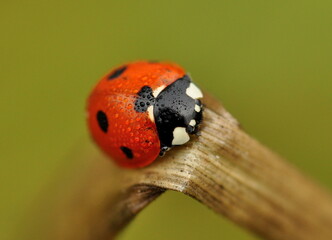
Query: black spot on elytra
[(145, 99), (117, 72), (127, 151), (102, 121)]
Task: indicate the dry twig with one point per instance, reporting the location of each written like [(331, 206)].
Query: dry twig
[(224, 168)]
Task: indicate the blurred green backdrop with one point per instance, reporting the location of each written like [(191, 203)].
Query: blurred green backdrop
[(269, 62)]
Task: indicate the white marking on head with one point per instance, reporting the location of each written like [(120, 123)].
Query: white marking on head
[(192, 123), (180, 136), (194, 92), (197, 108), (158, 90), (150, 112)]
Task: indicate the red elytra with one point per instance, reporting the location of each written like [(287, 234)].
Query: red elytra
[(129, 137)]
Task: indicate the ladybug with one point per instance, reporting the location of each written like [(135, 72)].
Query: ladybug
[(142, 109)]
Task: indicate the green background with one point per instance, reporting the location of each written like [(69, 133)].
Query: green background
[(269, 62)]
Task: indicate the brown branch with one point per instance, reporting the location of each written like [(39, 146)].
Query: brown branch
[(224, 168)]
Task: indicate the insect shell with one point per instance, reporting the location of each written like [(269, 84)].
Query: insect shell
[(142, 109)]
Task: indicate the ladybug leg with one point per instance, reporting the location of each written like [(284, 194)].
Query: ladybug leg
[(163, 150), (191, 129)]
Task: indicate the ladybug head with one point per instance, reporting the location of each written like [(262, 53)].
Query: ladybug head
[(176, 111)]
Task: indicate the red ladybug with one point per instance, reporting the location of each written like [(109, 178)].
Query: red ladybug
[(142, 109)]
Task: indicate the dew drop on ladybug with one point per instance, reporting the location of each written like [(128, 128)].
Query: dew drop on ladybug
[(140, 110)]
